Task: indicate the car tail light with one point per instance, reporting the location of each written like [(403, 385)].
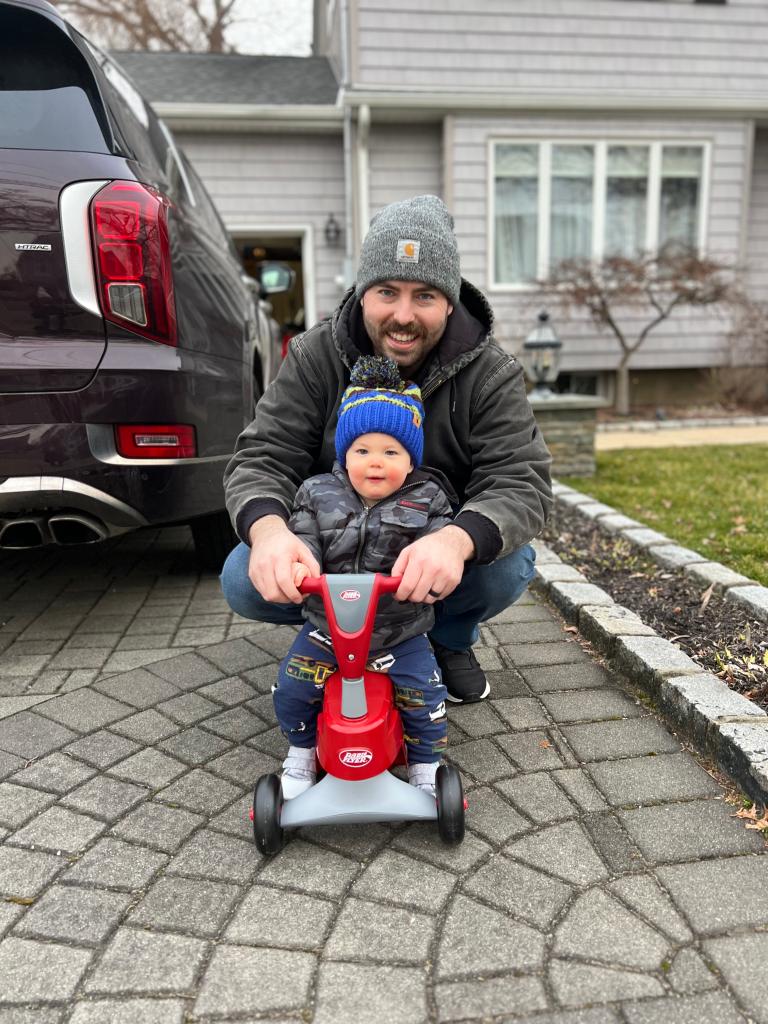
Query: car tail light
[(288, 336), (129, 222), (156, 441)]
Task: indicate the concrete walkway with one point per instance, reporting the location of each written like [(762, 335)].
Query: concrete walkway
[(680, 437), (603, 879)]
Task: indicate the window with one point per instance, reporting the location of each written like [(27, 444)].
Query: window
[(48, 97), (589, 199), (570, 229)]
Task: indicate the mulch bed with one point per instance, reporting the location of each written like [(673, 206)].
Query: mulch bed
[(715, 633)]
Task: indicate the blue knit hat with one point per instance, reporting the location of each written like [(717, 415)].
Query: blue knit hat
[(377, 401)]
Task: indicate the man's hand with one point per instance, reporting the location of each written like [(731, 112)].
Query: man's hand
[(275, 552), (432, 566)]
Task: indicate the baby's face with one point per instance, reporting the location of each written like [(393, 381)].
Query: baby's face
[(377, 465)]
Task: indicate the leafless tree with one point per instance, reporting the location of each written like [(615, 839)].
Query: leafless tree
[(613, 290), (198, 25)]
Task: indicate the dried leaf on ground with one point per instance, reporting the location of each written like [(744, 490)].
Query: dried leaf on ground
[(751, 813)]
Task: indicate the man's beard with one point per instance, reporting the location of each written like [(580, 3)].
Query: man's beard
[(414, 329), (423, 341)]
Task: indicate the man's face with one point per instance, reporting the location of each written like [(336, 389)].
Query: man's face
[(405, 320)]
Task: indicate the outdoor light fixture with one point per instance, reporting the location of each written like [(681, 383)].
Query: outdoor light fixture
[(541, 357), (332, 232)]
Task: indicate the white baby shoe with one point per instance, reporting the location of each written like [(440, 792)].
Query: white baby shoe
[(422, 776), (299, 771)]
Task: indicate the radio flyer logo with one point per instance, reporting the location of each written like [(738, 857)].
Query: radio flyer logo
[(356, 757), (350, 595)]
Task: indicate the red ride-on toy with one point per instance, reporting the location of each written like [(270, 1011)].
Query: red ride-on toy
[(359, 736)]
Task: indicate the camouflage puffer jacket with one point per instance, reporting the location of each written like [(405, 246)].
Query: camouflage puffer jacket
[(345, 535)]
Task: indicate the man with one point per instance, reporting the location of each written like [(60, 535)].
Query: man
[(481, 443)]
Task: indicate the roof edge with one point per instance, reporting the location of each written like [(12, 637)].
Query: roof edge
[(250, 116), (450, 100)]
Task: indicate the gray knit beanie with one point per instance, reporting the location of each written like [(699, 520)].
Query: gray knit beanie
[(412, 240)]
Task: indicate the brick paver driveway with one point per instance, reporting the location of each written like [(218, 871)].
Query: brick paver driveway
[(602, 879)]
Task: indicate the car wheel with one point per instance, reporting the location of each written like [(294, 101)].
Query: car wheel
[(450, 804), (214, 538)]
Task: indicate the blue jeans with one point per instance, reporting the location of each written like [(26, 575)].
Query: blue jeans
[(484, 591)]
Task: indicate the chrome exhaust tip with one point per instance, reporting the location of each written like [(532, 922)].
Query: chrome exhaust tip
[(20, 534), (69, 529)]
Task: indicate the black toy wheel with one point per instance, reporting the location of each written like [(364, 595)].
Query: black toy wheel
[(267, 806), (450, 804)]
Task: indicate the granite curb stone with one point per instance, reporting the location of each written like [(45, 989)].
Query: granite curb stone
[(676, 424)]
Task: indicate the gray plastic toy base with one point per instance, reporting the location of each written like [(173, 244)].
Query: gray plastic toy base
[(335, 801)]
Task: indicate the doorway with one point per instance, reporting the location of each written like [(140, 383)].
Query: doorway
[(292, 309)]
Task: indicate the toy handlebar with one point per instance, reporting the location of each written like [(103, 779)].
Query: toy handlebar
[(314, 584)]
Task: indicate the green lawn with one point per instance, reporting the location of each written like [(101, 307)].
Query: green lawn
[(713, 499)]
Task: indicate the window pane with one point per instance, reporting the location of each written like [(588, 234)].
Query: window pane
[(48, 96), (626, 199), (516, 208), (681, 171), (571, 223)]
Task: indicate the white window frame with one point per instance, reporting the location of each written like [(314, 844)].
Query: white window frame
[(601, 145)]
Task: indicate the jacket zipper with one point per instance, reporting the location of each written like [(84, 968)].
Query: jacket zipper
[(433, 385), (363, 530), (366, 513)]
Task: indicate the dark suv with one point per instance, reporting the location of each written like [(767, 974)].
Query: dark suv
[(129, 338)]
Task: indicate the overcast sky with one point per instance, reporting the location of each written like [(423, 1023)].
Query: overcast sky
[(273, 26)]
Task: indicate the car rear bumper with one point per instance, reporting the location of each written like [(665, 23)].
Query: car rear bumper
[(58, 451), (54, 470)]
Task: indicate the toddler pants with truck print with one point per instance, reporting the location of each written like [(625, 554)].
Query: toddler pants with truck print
[(419, 691)]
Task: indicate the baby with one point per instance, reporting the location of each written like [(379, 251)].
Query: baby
[(358, 518)]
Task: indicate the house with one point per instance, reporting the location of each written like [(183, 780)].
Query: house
[(551, 128)]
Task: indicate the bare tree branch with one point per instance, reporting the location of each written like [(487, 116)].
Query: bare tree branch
[(156, 24), (617, 286)]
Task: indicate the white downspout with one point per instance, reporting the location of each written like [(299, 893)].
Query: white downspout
[(363, 202), (348, 273)]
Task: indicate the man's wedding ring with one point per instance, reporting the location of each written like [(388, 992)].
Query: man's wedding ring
[(433, 593)]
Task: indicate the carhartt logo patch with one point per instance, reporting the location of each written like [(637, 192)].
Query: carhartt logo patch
[(407, 251)]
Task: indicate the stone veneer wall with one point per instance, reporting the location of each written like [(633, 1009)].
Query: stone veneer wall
[(568, 424)]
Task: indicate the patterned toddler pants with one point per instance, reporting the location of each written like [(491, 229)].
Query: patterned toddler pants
[(419, 691)]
